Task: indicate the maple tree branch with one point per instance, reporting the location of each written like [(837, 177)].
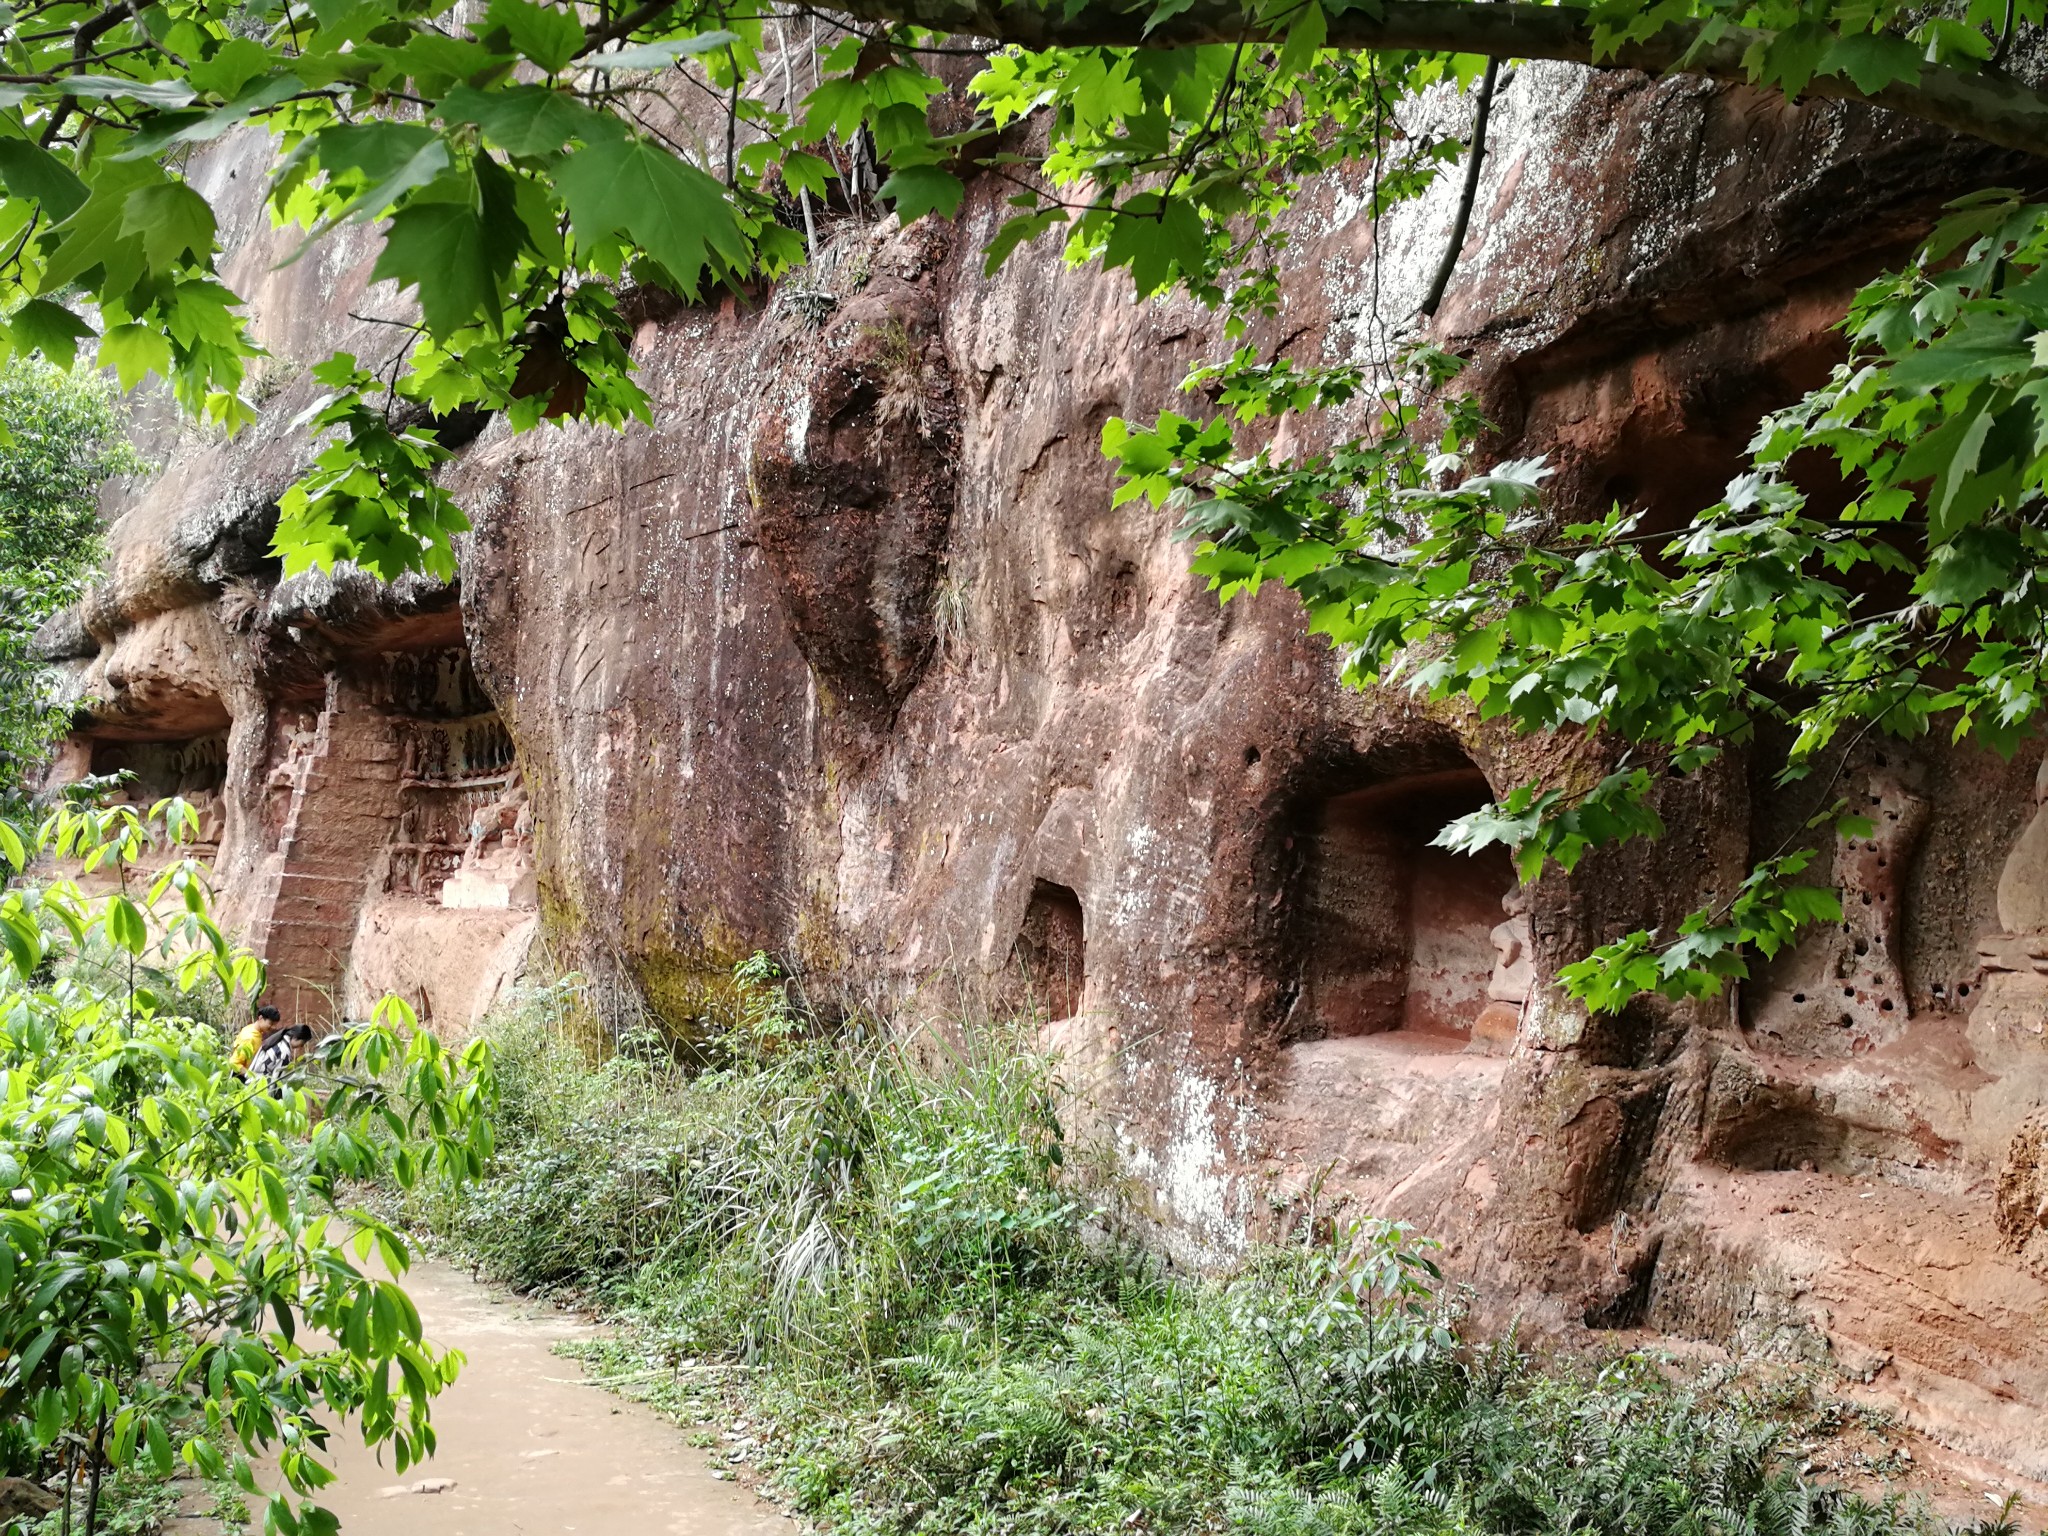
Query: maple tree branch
[(1993, 108), (1474, 158), (83, 40), (596, 37)]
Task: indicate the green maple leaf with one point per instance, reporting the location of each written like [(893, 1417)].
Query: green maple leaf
[(153, 93), (443, 250), (1978, 562), (1789, 59), (171, 219), (134, 350), (920, 189), (394, 158), (528, 119), (196, 313), (673, 211), (94, 236), (437, 62), (55, 331), (1872, 59), (664, 53), (233, 65), (1015, 232), (194, 126), (549, 37), (31, 171), (1155, 241)]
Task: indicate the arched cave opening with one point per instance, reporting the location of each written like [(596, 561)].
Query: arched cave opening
[(1396, 933), (193, 768), (1052, 950)]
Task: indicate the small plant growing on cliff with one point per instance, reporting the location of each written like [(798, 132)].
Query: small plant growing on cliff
[(949, 618), (175, 1268), (906, 380)]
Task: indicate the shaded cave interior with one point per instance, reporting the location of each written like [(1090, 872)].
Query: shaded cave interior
[(1393, 932), (193, 768), (1051, 952)]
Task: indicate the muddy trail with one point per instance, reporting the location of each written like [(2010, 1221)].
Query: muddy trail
[(528, 1444)]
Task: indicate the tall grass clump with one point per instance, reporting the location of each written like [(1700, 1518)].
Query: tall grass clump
[(933, 1328)]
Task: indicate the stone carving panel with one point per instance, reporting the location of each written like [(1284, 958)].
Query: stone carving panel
[(461, 799), (2023, 1195)]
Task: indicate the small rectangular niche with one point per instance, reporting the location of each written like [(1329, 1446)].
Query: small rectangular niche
[(1052, 950), (1397, 934)]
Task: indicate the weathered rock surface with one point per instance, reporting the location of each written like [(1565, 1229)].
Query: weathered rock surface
[(849, 658)]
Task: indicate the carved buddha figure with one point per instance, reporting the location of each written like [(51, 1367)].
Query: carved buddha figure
[(2008, 1034), (2022, 942), (1514, 977), (1514, 968), (211, 806), (2010, 1037), (507, 821), (497, 866)]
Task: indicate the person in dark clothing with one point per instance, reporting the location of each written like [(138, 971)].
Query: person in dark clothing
[(280, 1050)]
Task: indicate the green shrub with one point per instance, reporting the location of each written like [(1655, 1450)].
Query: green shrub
[(177, 1278), (936, 1332), (60, 440)]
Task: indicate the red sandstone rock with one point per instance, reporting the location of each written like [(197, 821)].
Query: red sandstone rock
[(851, 659)]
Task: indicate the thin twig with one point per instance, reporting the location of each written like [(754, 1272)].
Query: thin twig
[(92, 1493), (732, 121)]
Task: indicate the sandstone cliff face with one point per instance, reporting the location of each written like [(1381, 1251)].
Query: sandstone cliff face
[(850, 659)]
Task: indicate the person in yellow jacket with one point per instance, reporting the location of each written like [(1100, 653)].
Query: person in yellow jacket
[(243, 1052)]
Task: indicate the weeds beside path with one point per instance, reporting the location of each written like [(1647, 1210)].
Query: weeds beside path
[(879, 1254)]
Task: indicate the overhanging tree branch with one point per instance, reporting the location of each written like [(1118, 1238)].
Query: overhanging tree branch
[(1475, 157), (1996, 109)]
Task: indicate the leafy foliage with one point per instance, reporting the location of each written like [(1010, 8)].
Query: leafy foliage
[(60, 440), (178, 1276), (541, 160), (930, 1322), (1887, 611)]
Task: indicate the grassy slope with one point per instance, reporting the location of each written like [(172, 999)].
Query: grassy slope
[(884, 1259)]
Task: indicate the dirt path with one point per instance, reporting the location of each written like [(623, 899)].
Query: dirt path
[(528, 1446)]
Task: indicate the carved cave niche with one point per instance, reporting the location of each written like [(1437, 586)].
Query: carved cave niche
[(453, 774), (194, 768), (434, 684), (1048, 970), (1391, 933)]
